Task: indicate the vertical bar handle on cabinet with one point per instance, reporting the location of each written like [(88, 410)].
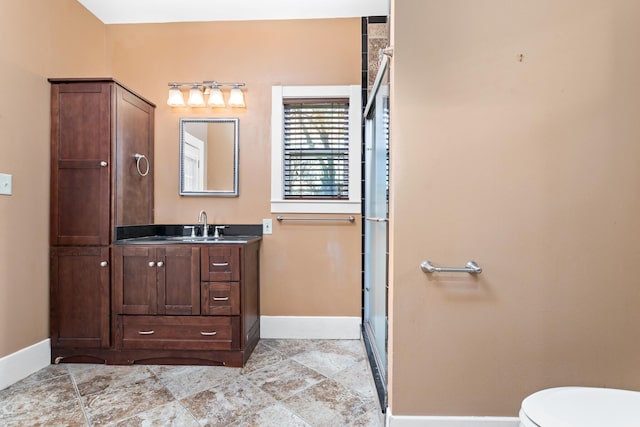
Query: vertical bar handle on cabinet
[(139, 158), (374, 219)]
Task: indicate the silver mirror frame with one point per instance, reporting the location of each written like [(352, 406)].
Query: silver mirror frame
[(236, 142)]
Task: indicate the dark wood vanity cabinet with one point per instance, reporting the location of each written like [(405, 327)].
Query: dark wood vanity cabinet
[(80, 297), (101, 176), (128, 303), (201, 304)]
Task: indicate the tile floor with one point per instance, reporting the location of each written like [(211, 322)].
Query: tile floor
[(285, 383)]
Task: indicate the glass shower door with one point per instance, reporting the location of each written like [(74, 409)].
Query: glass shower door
[(376, 212)]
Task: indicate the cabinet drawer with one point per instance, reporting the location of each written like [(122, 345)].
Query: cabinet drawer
[(221, 298), (220, 263), (180, 332)]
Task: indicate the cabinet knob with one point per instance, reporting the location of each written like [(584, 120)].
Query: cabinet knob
[(152, 264), (160, 263), (104, 264), (103, 164)]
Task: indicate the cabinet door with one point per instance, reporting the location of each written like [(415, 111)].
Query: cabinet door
[(135, 280), (80, 297), (80, 164), (157, 280), (178, 280), (134, 177)]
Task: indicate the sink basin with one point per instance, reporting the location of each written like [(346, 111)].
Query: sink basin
[(210, 239), (187, 239)]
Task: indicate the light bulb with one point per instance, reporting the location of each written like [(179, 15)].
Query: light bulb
[(175, 97), (236, 98), (215, 97), (196, 99)]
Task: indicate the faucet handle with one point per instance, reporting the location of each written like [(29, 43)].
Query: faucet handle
[(218, 230), (193, 229)]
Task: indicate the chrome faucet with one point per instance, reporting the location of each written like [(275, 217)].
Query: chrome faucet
[(205, 228)]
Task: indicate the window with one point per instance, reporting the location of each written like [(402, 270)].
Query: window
[(316, 139)]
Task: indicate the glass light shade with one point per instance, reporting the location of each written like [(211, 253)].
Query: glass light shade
[(215, 97), (196, 98), (175, 97), (236, 98)]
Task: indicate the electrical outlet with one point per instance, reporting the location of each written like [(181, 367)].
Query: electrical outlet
[(267, 226), (5, 184)]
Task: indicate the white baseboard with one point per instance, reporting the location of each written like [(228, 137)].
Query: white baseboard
[(431, 421), (304, 327), (19, 365)]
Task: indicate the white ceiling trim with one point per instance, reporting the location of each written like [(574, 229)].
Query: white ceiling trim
[(150, 11)]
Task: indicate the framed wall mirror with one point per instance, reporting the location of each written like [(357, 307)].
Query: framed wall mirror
[(209, 157)]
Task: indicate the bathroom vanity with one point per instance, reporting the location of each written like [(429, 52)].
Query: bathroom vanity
[(179, 299), (176, 300), (124, 290)]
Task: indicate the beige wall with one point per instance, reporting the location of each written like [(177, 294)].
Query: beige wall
[(309, 270), (59, 38), (41, 39), (530, 167)]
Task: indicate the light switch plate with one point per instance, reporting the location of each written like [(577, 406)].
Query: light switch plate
[(267, 226), (5, 184)]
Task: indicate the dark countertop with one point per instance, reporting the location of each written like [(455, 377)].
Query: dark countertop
[(163, 234)]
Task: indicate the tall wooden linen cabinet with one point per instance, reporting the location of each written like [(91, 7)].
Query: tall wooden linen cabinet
[(101, 176)]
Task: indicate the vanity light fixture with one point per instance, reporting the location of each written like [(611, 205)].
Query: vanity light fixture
[(196, 98), (215, 97), (236, 97), (175, 97), (198, 91)]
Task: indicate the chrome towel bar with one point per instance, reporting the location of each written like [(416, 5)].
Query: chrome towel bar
[(349, 218), (471, 267)]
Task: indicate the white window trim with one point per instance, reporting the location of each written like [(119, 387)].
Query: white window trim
[(278, 203)]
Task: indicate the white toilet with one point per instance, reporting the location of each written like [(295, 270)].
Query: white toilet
[(581, 407)]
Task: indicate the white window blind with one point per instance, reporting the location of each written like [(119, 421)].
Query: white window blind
[(316, 149)]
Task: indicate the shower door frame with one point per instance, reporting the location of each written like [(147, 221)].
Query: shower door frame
[(373, 223)]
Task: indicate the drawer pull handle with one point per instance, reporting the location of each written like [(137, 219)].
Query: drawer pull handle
[(220, 264), (208, 334), (221, 298), (146, 332)]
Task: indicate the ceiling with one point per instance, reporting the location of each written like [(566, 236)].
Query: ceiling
[(147, 11)]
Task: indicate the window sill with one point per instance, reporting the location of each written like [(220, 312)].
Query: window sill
[(315, 206)]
